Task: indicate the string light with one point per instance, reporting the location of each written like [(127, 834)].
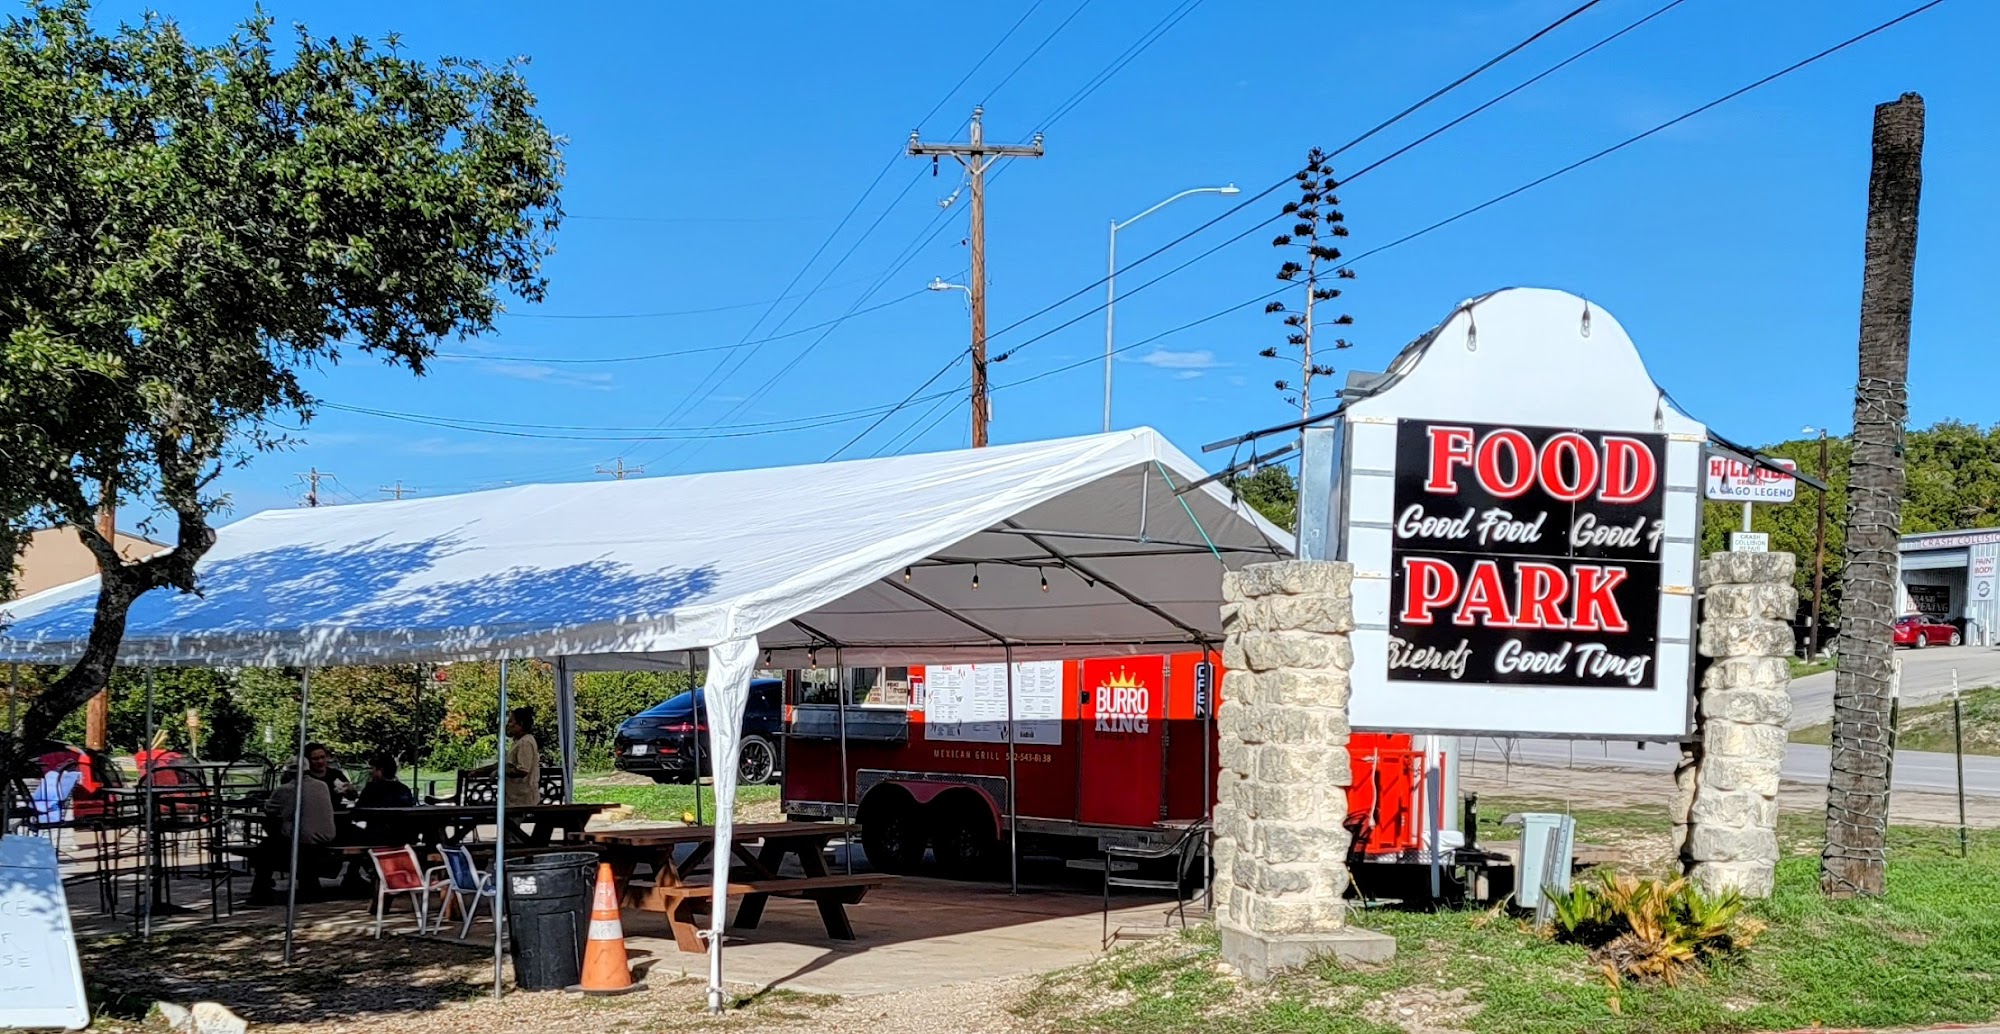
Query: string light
[(975, 578), (906, 576), (1045, 581)]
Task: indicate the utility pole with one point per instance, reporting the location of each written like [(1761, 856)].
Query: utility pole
[(1819, 552), (1855, 859), (977, 156), (619, 471), (396, 491), (97, 714), (312, 478)]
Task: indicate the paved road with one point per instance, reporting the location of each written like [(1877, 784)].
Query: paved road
[(1804, 762), (1926, 678)]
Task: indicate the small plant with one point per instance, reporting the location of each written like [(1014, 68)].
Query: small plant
[(1651, 931)]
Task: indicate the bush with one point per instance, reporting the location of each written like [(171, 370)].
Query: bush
[(1651, 931)]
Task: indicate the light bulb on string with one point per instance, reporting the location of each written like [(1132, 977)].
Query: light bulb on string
[(906, 576), (975, 578), (1045, 581)]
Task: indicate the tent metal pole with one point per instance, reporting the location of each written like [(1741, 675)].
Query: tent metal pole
[(417, 746), (13, 695), (1013, 809), (298, 812), (500, 834), (148, 783), (1208, 707), (846, 787), (566, 725), (695, 713), (1193, 633)]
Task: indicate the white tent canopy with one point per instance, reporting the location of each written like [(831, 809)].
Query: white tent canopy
[(1061, 549), (608, 573)]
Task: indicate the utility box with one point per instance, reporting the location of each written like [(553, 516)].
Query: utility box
[(1548, 842)]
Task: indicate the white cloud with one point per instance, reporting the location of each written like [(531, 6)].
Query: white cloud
[(1188, 375), (1168, 359)]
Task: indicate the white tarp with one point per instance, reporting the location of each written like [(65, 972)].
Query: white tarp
[(794, 555), (1053, 549)]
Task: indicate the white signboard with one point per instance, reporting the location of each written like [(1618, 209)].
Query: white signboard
[(41, 984), (1982, 587), (968, 702), (1749, 542), (1521, 506), (1734, 481)]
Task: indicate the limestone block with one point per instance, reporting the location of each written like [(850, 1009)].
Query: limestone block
[(1294, 726), (1290, 578), (1326, 688), (1685, 780), (213, 1018), (1746, 568), (1758, 706), (1738, 808), (1751, 879), (1269, 651), (1279, 843), (1757, 775), (1311, 765), (1312, 613), (1229, 718), (1302, 914), (1273, 881), (1742, 739), (1710, 843), (1232, 618), (1766, 601), (1284, 803), (1232, 654), (1232, 825), (1766, 672), (1242, 686), (1745, 638), (1232, 587), (1233, 755)]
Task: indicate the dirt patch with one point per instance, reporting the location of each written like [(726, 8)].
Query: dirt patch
[(1424, 1010)]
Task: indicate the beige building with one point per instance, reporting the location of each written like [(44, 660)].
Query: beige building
[(56, 556)]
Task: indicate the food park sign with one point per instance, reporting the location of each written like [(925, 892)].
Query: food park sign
[(1520, 503)]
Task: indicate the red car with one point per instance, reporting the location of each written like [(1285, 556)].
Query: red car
[(1920, 631)]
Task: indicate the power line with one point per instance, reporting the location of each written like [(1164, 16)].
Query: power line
[(911, 440), (1117, 64), (663, 314), (595, 431), (981, 63), (1273, 188), (907, 400), (681, 351), (1046, 40)]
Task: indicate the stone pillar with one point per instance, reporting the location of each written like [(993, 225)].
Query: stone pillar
[(1732, 841), (1280, 845)]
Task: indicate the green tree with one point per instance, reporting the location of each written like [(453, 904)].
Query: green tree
[(184, 228), (1270, 491)]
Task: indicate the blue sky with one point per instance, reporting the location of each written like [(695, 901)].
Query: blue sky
[(712, 148)]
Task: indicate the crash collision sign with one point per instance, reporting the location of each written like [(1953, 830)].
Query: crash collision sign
[(1521, 506)]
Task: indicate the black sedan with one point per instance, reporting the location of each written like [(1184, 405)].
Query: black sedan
[(669, 741)]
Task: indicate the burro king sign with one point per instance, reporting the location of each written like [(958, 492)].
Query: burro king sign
[(1521, 505), (1526, 555)]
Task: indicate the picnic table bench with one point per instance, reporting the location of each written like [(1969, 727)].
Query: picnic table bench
[(679, 890)]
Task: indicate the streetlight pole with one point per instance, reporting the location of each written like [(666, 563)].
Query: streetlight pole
[(1819, 552), (1111, 278)]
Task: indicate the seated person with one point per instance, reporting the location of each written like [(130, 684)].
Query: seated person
[(320, 766), (384, 790), (316, 831)]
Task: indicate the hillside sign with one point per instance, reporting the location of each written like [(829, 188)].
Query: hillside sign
[(1521, 504)]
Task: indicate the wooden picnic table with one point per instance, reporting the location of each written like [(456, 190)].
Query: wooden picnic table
[(435, 824), (679, 888)]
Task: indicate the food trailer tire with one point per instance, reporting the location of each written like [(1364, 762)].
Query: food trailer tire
[(963, 836), (892, 830)]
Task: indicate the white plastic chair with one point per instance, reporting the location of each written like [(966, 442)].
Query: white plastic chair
[(466, 883), (397, 871)]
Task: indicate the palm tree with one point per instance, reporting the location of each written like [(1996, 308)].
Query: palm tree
[(1857, 792)]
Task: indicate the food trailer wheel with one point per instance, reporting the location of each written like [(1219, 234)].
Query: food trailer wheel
[(892, 830), (756, 762), (963, 836)]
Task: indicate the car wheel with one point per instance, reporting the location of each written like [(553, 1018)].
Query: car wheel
[(756, 761), (1957, 638), (893, 831), (1922, 641)]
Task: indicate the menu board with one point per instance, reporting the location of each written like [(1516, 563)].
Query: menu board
[(968, 702)]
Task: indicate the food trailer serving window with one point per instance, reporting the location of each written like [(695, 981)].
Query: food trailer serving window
[(865, 687)]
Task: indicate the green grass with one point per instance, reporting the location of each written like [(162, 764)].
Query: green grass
[(1928, 727), (1923, 954), (1800, 669), (667, 802)]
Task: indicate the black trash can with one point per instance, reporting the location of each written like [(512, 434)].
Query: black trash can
[(548, 918)]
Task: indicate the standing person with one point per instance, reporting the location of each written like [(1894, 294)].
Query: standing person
[(524, 760)]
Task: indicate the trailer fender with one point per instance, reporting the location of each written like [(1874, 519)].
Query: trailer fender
[(924, 791)]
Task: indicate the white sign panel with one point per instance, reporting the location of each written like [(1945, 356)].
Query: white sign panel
[(968, 702), (1749, 542), (1521, 506), (41, 984), (1734, 481)]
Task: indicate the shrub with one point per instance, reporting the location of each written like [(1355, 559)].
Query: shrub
[(1649, 930)]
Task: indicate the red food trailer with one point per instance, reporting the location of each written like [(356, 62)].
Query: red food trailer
[(1115, 750)]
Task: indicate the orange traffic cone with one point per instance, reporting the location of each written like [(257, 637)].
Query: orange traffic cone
[(606, 970)]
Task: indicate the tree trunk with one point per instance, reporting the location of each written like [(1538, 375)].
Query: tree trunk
[(1857, 793)]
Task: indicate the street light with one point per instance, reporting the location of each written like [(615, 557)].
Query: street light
[(1111, 278), (1819, 547)]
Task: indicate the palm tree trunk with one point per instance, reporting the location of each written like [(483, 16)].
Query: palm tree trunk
[(1857, 793)]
